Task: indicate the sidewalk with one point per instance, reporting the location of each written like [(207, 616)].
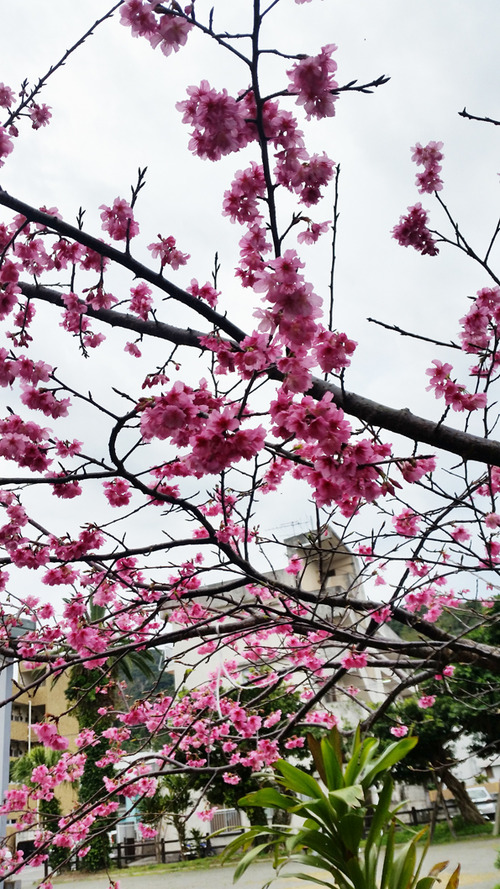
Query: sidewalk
[(476, 857)]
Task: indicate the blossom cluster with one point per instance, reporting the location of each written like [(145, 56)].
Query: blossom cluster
[(429, 157), (412, 231), (169, 30)]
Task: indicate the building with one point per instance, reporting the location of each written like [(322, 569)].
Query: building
[(328, 569), (33, 702)]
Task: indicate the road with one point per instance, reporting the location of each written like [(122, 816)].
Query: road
[(476, 857)]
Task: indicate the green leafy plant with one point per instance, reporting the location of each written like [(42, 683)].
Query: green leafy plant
[(330, 842)]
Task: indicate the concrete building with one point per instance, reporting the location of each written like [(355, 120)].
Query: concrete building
[(33, 702)]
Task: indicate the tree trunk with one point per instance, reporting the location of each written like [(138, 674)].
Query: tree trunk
[(468, 810)]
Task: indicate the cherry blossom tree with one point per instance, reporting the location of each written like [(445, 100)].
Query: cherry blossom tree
[(140, 492)]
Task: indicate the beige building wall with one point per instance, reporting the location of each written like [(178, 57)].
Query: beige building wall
[(31, 706)]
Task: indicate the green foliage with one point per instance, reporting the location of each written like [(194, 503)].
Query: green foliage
[(171, 800), (49, 810), (141, 675), (88, 691), (333, 815), (466, 703)]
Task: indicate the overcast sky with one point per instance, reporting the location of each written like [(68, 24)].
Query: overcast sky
[(113, 111)]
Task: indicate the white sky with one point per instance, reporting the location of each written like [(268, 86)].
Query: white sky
[(113, 111)]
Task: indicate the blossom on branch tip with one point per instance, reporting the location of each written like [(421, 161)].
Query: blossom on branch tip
[(48, 735), (412, 231), (399, 731), (428, 157), (354, 660), (6, 145), (312, 79), (40, 115), (426, 701), (312, 232), (167, 252), (7, 96), (219, 122), (118, 220), (406, 523), (117, 492)]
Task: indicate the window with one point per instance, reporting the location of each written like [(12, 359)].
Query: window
[(226, 819)]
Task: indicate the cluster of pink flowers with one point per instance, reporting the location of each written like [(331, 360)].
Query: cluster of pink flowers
[(429, 157), (333, 350), (399, 731), (426, 701), (117, 492), (406, 523), (412, 231), (119, 221), (195, 419), (40, 115), (140, 300), (354, 660), (7, 96), (6, 145), (168, 253), (312, 80), (219, 122), (455, 395), (169, 31), (480, 328), (241, 201), (49, 736)]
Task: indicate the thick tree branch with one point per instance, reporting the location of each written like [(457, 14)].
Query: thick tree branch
[(401, 421), (123, 259)]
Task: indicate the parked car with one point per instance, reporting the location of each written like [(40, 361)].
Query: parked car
[(483, 801)]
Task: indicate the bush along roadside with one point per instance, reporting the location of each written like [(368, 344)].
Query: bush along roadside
[(330, 838)]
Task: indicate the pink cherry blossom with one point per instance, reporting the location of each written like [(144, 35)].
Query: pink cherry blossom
[(6, 145), (354, 660), (426, 701), (312, 79), (429, 156), (7, 96), (399, 731), (48, 735), (40, 115), (118, 220), (412, 231), (219, 122), (167, 252), (406, 523)]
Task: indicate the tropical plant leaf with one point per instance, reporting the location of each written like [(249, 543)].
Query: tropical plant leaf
[(317, 862), (388, 859), (351, 831), (388, 758), (454, 879), (352, 795), (247, 860), (268, 797), (309, 878), (328, 847), (438, 868), (315, 746), (404, 867), (381, 813), (425, 883), (241, 841), (334, 779), (299, 781), (362, 753)]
